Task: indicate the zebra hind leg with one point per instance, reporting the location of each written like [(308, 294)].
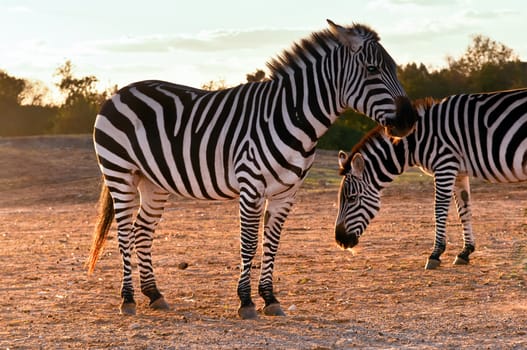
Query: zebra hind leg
[(462, 197), (463, 257), (153, 200), (123, 189)]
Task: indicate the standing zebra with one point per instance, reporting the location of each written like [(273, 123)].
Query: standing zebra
[(255, 141), (480, 135)]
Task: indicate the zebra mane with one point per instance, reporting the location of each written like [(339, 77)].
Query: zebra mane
[(424, 104), (277, 66), (420, 105), (358, 146)]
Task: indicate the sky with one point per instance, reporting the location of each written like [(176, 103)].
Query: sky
[(194, 42)]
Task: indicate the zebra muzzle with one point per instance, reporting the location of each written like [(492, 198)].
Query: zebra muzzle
[(405, 118), (344, 239)]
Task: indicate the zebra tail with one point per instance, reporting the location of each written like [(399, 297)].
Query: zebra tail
[(106, 215)]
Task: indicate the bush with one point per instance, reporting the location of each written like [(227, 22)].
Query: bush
[(347, 130)]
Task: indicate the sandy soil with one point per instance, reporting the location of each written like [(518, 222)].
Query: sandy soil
[(378, 297)]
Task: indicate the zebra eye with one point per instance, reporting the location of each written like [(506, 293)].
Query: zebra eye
[(372, 69), (352, 197)]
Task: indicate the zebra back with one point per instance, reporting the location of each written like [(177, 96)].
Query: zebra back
[(485, 135)]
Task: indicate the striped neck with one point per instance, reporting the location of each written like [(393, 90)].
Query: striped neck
[(309, 99), (386, 158), (317, 69)]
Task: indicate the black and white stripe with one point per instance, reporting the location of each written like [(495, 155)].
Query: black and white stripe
[(479, 135), (255, 141)]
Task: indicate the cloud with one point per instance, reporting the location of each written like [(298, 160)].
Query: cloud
[(213, 41), (421, 2), (19, 9), (486, 15)]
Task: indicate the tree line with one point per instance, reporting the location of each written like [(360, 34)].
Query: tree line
[(486, 65), (24, 110)]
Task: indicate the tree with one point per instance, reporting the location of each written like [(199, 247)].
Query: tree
[(10, 89), (214, 85), (81, 104), (485, 66), (347, 130), (20, 116), (35, 93), (481, 53), (255, 77), (416, 80)]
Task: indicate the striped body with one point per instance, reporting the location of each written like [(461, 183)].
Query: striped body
[(471, 135), (255, 141), (206, 145)]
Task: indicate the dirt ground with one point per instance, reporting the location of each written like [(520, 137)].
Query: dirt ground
[(378, 296)]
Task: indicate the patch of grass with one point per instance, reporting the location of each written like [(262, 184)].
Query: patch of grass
[(414, 176), (322, 177), (324, 173)]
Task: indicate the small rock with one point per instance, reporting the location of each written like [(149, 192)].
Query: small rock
[(182, 265), (291, 308), (341, 342)]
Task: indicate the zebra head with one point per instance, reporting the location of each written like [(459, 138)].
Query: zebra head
[(359, 201), (369, 80)]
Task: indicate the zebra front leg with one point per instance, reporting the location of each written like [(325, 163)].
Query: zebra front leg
[(251, 208), (153, 200), (275, 214), (443, 183), (462, 197)]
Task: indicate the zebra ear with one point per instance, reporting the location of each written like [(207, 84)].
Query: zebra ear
[(357, 165), (342, 159), (345, 36)]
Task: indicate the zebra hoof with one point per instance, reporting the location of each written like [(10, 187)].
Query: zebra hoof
[(160, 304), (432, 264), (273, 310), (127, 309), (460, 261), (247, 312)]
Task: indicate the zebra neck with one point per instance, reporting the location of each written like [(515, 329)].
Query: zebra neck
[(311, 99), (386, 159)]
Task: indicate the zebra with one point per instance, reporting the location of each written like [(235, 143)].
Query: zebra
[(255, 142), (481, 135)]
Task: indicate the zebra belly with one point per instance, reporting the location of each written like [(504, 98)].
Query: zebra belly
[(506, 168), (193, 181)]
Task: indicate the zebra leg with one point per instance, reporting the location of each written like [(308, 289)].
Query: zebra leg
[(462, 196), (275, 214), (123, 188), (443, 183), (251, 207), (153, 200)]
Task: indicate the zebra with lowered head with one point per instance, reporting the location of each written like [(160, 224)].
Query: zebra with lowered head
[(480, 135), (255, 141)]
